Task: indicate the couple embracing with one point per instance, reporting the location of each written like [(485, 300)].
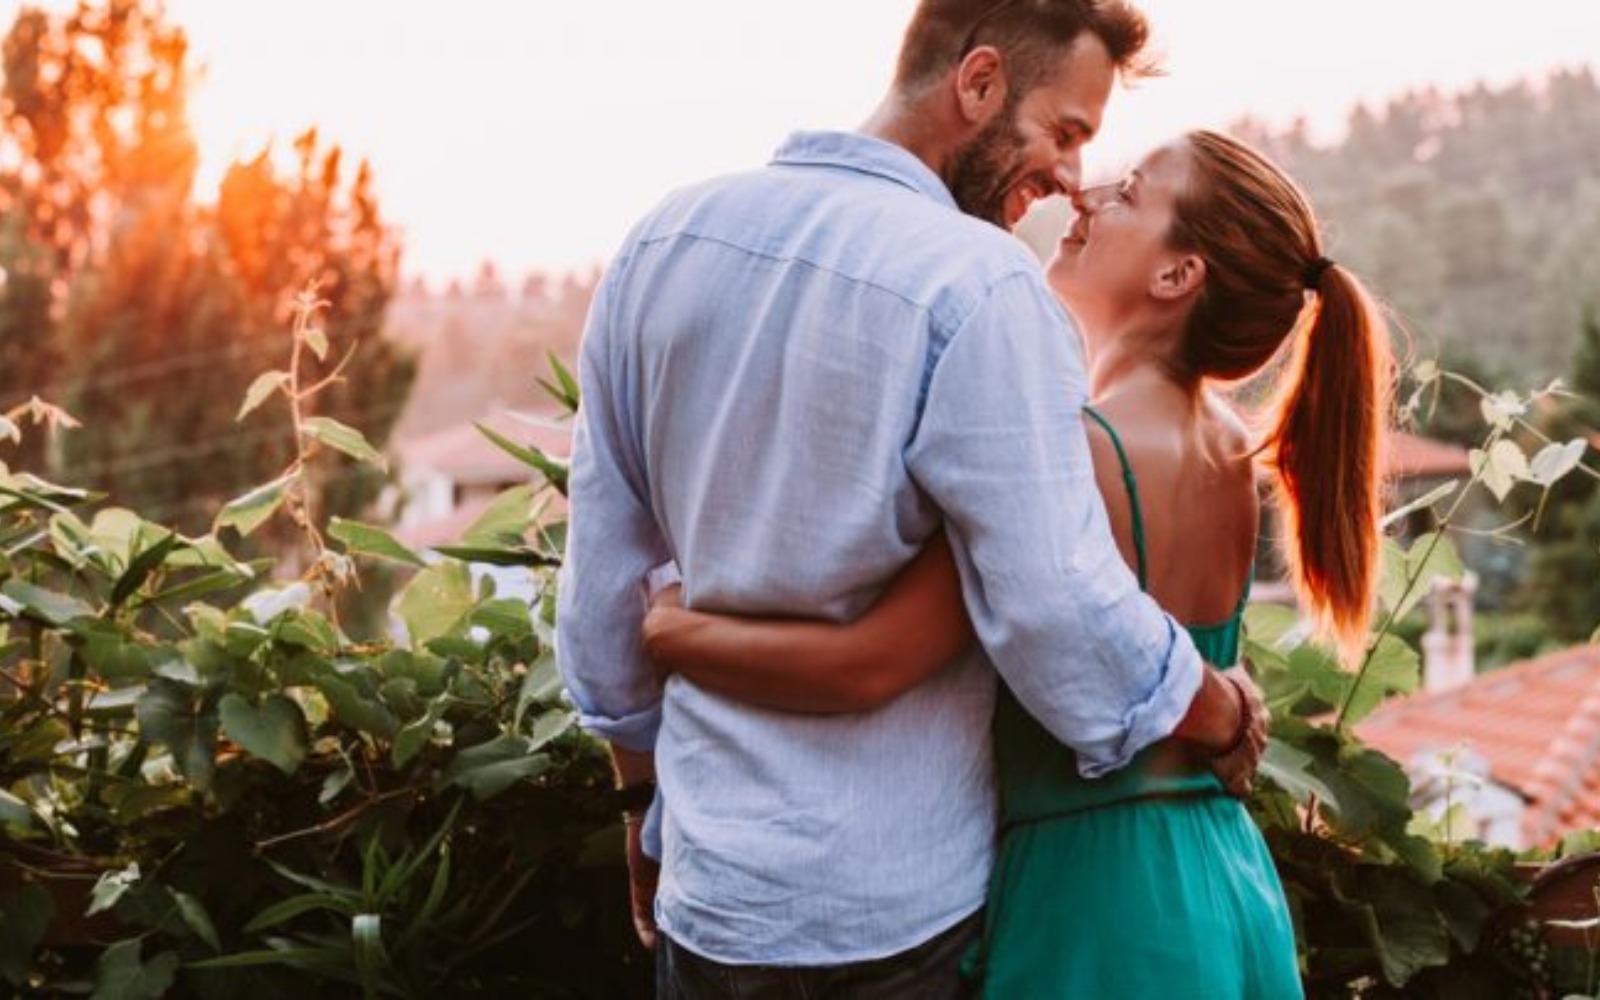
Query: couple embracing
[(905, 579)]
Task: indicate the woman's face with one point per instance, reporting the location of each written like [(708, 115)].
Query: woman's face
[(1109, 264)]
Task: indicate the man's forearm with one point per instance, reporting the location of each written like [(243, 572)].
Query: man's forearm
[(1215, 715)]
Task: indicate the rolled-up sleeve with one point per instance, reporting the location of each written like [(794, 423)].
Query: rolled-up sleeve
[(613, 541), (1001, 449)]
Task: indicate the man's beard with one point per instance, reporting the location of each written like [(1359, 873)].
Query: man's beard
[(981, 172)]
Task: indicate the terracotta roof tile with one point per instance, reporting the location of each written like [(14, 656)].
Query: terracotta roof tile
[(1536, 722), (1410, 455)]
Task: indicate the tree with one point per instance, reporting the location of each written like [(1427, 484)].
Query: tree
[(1467, 211), (148, 314)]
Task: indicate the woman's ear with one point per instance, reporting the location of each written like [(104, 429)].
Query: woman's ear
[(981, 85), (1179, 278)]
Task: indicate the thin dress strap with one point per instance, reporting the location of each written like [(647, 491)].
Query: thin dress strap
[(1133, 493)]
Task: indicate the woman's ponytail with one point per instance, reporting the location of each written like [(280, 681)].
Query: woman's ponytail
[(1326, 447), (1258, 236)]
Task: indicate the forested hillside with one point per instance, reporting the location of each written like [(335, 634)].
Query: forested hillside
[(1476, 214)]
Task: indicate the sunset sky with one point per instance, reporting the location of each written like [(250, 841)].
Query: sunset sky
[(534, 132)]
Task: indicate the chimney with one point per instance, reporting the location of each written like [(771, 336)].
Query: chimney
[(1448, 660)]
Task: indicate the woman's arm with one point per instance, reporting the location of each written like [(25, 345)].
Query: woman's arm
[(915, 628)]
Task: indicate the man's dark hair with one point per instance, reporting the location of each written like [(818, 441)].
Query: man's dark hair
[(1030, 35)]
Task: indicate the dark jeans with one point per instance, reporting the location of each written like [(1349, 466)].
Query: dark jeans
[(930, 971)]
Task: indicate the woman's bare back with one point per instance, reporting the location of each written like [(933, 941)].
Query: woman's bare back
[(1197, 492)]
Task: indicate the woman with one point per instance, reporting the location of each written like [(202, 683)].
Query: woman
[(1194, 270)]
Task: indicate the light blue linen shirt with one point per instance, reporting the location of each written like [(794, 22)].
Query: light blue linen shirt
[(791, 379)]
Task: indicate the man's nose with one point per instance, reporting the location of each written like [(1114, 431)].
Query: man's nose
[(1068, 172)]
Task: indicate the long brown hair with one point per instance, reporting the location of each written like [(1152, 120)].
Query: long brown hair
[(1267, 282)]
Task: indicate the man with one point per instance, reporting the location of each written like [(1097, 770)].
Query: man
[(792, 378)]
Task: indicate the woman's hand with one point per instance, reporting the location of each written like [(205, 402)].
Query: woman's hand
[(664, 617)]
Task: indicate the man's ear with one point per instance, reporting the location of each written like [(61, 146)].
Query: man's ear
[(981, 84), (1179, 278)]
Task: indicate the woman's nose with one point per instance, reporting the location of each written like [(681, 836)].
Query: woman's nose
[(1087, 201)]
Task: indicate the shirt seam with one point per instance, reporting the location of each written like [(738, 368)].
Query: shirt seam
[(939, 315)]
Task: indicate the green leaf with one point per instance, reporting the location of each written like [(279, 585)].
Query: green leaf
[(130, 802), (1392, 668), (356, 709), (335, 784), (24, 919), (565, 390), (317, 339), (1555, 461), (367, 540), (553, 471), (286, 910), (1465, 913), (328, 962), (549, 726), (491, 768), (120, 975), (308, 630), (1293, 770), (246, 513), (168, 715), (429, 674), (33, 493), (199, 921), (203, 586), (14, 812), (430, 906), (114, 654), (410, 740), (1501, 410), (111, 887), (71, 538), (435, 602), (276, 732), (262, 388), (542, 683), (1501, 468), (343, 438), (1410, 575), (143, 564), (1420, 503), (315, 884), (505, 521), (1397, 917), (510, 555), (45, 606), (504, 618)]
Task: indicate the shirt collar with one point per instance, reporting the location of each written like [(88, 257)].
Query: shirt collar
[(863, 153)]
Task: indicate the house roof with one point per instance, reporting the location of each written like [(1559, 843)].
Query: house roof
[(1537, 722), (1413, 456), (464, 455)]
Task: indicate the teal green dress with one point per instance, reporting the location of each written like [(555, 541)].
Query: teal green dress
[(1149, 882)]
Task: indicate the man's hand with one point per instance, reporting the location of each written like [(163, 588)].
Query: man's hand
[(1237, 769), (635, 769), (643, 874)]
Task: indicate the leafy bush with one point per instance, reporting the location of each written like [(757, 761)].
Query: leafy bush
[(207, 788)]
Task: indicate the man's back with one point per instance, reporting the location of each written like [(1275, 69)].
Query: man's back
[(766, 342)]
